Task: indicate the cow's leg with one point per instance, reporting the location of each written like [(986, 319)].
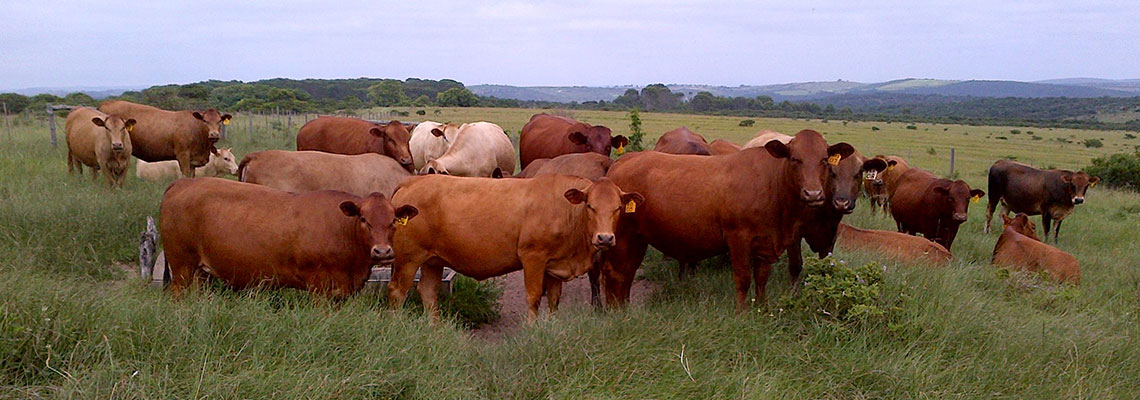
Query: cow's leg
[(94, 173), (795, 262), (430, 279), (740, 251), (1046, 222), (552, 287), (990, 206), (761, 269), (184, 271), (72, 163), (534, 271), (620, 268), (107, 173), (403, 274), (1057, 232), (184, 165), (595, 275)]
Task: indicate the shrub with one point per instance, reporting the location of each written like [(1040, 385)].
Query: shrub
[(874, 128), (833, 290), (1015, 131), (1118, 170), (747, 122), (931, 151), (912, 127), (1002, 138), (1129, 136), (1093, 143), (635, 132), (945, 129), (421, 112)]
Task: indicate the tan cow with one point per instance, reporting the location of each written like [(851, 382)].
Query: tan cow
[(160, 135), (551, 227), (220, 164), (1019, 248), (894, 245), (764, 136), (721, 147), (99, 141), (430, 140), (591, 166), (307, 171), (479, 149)]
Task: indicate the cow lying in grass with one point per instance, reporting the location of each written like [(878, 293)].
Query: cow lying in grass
[(1019, 248)]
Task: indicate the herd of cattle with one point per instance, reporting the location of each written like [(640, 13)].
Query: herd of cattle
[(358, 193)]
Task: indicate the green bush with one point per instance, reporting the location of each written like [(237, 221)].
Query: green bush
[(1015, 131), (421, 112), (874, 128), (1118, 170), (931, 151), (912, 127), (1129, 136), (833, 290), (1093, 143), (747, 122)]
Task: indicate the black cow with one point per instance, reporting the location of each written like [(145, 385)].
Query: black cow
[(1024, 189)]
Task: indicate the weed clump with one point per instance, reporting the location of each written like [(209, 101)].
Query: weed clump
[(834, 290)]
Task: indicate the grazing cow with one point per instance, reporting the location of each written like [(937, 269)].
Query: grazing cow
[(935, 207), (99, 141), (430, 140), (1019, 248), (308, 171), (160, 135), (549, 136), (682, 141), (479, 149), (220, 164), (351, 136), (765, 136), (1023, 189), (875, 188), (591, 166), (324, 242), (820, 224), (551, 227), (897, 246), (748, 204), (721, 147)]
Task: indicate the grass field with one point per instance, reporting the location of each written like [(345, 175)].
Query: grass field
[(74, 324)]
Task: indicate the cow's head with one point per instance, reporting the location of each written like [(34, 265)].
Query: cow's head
[(846, 179), (435, 167), (214, 121), (808, 157), (224, 161), (595, 139), (118, 131), (954, 199), (1078, 183), (446, 132), (394, 138), (1020, 223), (604, 203), (876, 177), (376, 220)]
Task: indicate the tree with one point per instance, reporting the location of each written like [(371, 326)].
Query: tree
[(79, 99), (658, 97), (703, 101), (15, 102), (457, 97), (631, 98), (387, 93)]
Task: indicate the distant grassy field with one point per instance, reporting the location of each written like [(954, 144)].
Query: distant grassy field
[(74, 324)]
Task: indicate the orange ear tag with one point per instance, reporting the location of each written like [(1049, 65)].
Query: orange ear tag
[(226, 121), (834, 159), (975, 199), (620, 150), (630, 207), (402, 221)]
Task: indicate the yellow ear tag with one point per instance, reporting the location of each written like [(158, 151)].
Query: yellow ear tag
[(975, 199), (620, 150), (226, 121), (130, 129), (834, 160), (630, 207), (1092, 184), (890, 167), (402, 221)]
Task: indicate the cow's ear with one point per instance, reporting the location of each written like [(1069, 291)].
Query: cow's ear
[(619, 141), (979, 193), (635, 197), (844, 150), (1068, 178), (377, 132), (875, 164), (436, 132), (1093, 180), (349, 208), (777, 149), (1006, 219), (198, 115), (130, 124), (497, 173), (577, 138), (942, 190), (227, 117), (98, 122), (575, 196), (213, 150), (892, 163), (406, 212)]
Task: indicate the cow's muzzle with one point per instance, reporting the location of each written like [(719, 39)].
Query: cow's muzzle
[(1078, 200), (845, 206), (604, 240), (117, 147), (960, 217), (812, 197), (214, 136), (383, 255)]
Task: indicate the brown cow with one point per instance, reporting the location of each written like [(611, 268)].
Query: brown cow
[(99, 141), (748, 204), (721, 147), (875, 188), (1023, 189), (324, 242), (682, 141), (1019, 248), (159, 135), (896, 166), (591, 166), (351, 136), (550, 227), (549, 136), (897, 246), (308, 171), (935, 207)]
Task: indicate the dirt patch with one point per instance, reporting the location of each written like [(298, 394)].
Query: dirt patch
[(575, 294)]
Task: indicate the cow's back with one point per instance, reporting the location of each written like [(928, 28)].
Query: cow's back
[(721, 147), (158, 134), (308, 171), (1014, 250), (763, 137), (545, 136), (1020, 186), (898, 246), (682, 141), (338, 135), (478, 149), (893, 172), (591, 165), (909, 199)]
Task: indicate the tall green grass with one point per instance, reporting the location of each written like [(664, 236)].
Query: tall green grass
[(73, 324)]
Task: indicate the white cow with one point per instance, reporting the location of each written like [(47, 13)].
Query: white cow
[(765, 136), (479, 149), (430, 140)]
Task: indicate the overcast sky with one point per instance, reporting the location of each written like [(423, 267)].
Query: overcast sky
[(146, 42)]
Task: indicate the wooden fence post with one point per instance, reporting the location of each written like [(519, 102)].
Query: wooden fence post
[(951, 161), (51, 123)]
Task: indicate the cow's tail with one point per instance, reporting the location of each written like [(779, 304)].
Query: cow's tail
[(243, 166), (996, 185)]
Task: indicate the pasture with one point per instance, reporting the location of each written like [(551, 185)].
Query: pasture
[(75, 322)]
